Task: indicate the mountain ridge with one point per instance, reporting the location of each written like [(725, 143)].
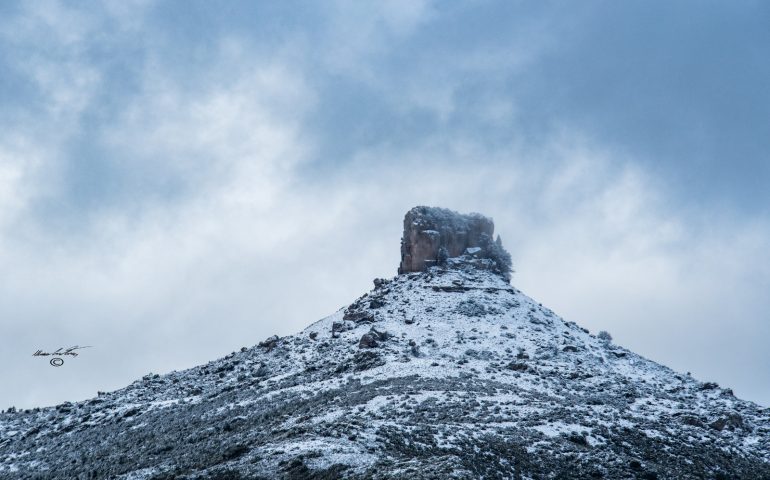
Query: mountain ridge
[(448, 372)]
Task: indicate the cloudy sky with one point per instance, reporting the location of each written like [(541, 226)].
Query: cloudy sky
[(180, 179)]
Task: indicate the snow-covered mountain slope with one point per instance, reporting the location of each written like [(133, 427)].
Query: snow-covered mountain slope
[(448, 373)]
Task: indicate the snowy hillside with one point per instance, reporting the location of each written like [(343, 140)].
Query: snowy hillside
[(449, 373)]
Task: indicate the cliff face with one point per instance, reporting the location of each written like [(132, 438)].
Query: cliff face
[(428, 229)]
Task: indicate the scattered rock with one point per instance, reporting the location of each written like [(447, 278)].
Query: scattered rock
[(269, 343), (692, 421), (376, 303), (131, 412), (517, 366), (730, 422), (366, 360), (235, 451), (368, 340), (339, 327), (372, 338), (359, 317), (262, 371), (577, 439), (471, 308), (450, 288)]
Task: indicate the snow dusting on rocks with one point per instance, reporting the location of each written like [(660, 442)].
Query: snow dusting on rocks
[(446, 373)]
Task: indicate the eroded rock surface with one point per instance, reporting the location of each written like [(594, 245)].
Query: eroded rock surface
[(428, 229), (440, 237)]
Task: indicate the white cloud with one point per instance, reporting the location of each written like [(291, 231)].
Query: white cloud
[(17, 162), (244, 128), (50, 49), (355, 32)]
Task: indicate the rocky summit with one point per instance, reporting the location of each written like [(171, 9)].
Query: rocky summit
[(443, 372), (433, 234)]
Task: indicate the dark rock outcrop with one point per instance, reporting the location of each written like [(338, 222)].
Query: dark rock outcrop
[(373, 338), (433, 235), (427, 229)]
